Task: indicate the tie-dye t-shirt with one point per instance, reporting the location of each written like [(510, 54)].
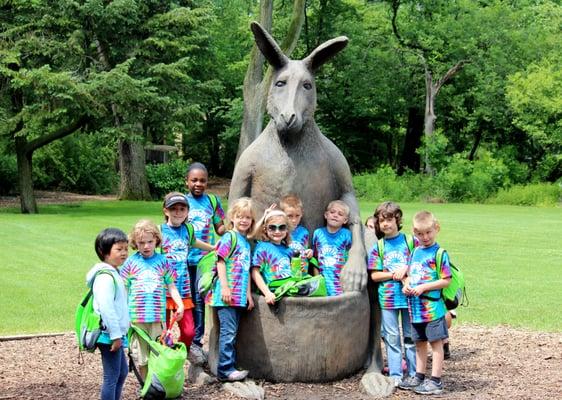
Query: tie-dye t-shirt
[(237, 271), (176, 245), (331, 250), (396, 255), (299, 238), (146, 280), (273, 260), (422, 270), (203, 218)]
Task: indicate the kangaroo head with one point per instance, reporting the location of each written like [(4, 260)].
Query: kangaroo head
[(292, 95)]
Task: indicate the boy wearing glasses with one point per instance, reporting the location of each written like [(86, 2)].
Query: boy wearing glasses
[(331, 244)]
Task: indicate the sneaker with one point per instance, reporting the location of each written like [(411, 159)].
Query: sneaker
[(397, 381), (197, 355), (429, 387), (410, 383), (235, 376), (446, 351)]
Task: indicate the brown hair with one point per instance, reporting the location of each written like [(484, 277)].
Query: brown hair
[(388, 209), (142, 227)]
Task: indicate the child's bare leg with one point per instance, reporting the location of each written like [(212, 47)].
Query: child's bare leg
[(421, 357), (437, 358)]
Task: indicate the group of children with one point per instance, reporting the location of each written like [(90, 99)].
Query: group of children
[(409, 293), (158, 281)]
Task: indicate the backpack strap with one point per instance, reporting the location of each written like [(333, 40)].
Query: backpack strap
[(380, 246), (439, 260), (213, 200), (233, 242), (410, 242), (190, 232), (91, 292)]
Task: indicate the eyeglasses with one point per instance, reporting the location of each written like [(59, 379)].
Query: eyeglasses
[(277, 228)]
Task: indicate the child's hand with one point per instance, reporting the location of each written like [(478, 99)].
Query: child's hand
[(417, 291), (308, 253), (115, 345), (226, 294), (400, 273), (250, 303), (407, 290), (179, 313), (270, 298)]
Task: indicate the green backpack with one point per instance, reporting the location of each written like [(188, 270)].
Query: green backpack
[(165, 376), (88, 324), (308, 286), (206, 274), (455, 293)]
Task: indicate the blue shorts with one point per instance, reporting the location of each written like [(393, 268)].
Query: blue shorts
[(430, 331)]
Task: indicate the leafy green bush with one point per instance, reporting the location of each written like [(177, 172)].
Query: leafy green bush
[(8, 174), (77, 163), (538, 194), (165, 178)]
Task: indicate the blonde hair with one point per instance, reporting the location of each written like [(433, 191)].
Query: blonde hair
[(290, 200), (260, 232), (425, 219), (338, 203), (142, 227), (243, 204)]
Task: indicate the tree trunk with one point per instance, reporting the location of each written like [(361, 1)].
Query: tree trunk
[(25, 178), (475, 145), (133, 185), (429, 118), (256, 85), (410, 159)]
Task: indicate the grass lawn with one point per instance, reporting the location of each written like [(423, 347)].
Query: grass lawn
[(511, 257)]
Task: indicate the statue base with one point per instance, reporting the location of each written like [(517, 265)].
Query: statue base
[(301, 339)]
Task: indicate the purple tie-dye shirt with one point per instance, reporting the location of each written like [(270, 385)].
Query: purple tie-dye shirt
[(331, 250), (237, 271), (273, 261), (422, 270), (146, 280)]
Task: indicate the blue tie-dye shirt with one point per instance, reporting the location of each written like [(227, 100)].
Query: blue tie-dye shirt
[(331, 250), (423, 270), (203, 218), (300, 241), (237, 271), (176, 246), (396, 256), (273, 261)]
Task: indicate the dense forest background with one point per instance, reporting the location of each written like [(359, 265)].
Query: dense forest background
[(91, 91)]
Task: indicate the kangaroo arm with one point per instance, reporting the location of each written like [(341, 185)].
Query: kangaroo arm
[(241, 184)]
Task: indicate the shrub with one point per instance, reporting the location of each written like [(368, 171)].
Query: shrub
[(8, 174), (165, 178), (538, 194)]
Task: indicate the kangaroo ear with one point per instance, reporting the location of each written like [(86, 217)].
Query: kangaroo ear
[(325, 52), (268, 47)]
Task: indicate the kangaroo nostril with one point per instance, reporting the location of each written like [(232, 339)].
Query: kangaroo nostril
[(291, 120)]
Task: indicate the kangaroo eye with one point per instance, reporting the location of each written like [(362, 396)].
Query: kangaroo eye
[(307, 85), (280, 83)]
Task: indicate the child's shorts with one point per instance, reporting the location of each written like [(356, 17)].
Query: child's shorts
[(139, 346), (430, 331)]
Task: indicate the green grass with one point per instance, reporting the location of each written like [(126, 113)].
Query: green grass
[(510, 255)]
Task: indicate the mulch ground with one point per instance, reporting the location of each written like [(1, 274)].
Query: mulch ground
[(486, 363)]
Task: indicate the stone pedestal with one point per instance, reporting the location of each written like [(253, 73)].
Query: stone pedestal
[(302, 339)]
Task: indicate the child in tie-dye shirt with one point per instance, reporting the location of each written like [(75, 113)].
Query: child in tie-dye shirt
[(147, 277), (427, 309), (388, 268), (177, 243), (291, 205), (207, 216), (231, 292), (272, 256), (331, 245)]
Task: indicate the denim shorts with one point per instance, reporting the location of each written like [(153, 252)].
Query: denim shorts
[(430, 331)]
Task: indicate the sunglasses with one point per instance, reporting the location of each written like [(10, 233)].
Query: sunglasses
[(277, 228)]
